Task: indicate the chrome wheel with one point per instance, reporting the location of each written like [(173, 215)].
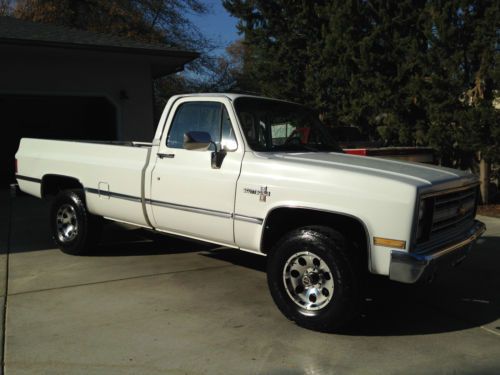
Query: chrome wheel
[(308, 281), (67, 223)]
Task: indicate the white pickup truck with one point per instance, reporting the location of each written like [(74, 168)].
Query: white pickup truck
[(263, 176)]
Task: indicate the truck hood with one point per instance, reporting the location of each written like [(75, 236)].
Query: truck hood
[(414, 173)]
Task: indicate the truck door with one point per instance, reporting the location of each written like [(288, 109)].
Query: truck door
[(190, 196)]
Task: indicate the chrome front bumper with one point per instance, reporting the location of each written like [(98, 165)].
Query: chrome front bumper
[(410, 268)]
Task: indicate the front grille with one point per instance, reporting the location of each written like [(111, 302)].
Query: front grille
[(445, 217), (453, 211)]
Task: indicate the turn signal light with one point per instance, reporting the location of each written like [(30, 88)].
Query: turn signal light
[(387, 242)]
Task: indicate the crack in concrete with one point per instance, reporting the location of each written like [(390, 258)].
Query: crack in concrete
[(6, 275), (121, 279), (490, 330)]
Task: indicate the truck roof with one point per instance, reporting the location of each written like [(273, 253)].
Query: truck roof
[(229, 95)]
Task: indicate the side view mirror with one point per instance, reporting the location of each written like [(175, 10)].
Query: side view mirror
[(197, 141), (201, 141)]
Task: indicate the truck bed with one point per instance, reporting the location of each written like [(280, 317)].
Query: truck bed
[(91, 163)]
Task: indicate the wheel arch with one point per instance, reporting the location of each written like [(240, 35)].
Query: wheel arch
[(282, 219), (52, 184)]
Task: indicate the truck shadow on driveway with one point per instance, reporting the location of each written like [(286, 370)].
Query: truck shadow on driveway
[(460, 298), (140, 242), (30, 231)]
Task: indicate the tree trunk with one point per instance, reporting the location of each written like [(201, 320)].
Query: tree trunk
[(484, 179)]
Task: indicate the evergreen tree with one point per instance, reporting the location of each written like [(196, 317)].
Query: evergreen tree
[(368, 71), (276, 41), (463, 76), (412, 72)]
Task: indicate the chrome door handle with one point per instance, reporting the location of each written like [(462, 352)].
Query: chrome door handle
[(168, 156)]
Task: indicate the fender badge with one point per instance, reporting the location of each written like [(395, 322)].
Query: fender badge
[(263, 193)]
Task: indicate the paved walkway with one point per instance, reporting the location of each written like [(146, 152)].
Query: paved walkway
[(146, 304)]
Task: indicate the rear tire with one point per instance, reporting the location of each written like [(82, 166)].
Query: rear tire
[(74, 230), (313, 280)]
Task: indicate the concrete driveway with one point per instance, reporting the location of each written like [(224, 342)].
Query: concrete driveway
[(148, 304)]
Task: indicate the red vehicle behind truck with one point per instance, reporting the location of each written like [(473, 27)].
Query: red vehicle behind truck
[(354, 142)]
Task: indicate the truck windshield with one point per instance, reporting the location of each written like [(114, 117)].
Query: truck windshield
[(276, 126)]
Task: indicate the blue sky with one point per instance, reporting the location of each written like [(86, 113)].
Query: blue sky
[(218, 25)]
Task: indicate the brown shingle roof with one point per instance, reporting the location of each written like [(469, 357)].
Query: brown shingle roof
[(15, 31)]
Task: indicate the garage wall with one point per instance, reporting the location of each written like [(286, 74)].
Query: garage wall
[(52, 117), (125, 80)]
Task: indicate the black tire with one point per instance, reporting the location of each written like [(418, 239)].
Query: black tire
[(328, 254), (74, 230)]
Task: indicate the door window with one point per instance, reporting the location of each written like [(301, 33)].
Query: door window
[(210, 117)]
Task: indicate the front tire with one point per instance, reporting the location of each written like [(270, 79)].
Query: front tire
[(313, 280), (74, 230)]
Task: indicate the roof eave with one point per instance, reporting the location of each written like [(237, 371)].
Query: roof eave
[(188, 55)]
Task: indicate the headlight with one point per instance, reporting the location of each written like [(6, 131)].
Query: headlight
[(421, 211), (425, 209)]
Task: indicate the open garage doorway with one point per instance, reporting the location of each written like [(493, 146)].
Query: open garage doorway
[(51, 117)]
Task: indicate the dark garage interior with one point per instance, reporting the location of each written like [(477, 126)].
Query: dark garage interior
[(52, 117)]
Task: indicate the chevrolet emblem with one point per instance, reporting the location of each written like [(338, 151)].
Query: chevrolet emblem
[(263, 193)]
